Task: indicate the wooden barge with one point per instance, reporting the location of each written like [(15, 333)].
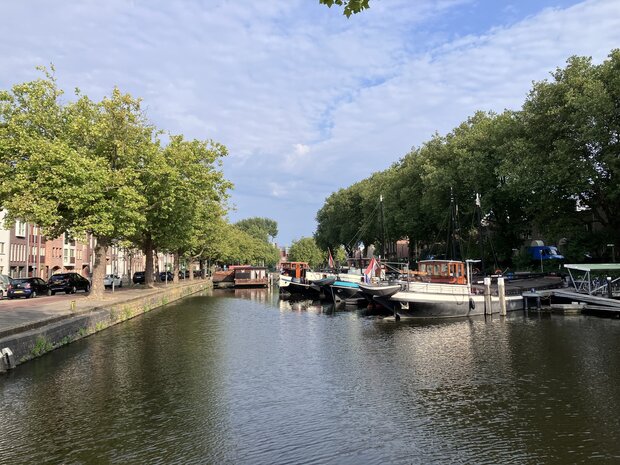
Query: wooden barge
[(241, 276)]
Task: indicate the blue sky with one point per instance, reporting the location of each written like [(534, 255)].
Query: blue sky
[(306, 101)]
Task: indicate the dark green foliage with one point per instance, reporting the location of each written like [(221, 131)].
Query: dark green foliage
[(260, 228), (549, 171), (350, 6)]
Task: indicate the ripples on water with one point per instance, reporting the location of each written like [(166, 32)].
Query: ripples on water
[(241, 377)]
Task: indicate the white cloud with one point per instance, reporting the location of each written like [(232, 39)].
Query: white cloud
[(263, 76)]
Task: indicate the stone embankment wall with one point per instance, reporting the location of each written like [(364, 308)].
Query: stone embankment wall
[(37, 341)]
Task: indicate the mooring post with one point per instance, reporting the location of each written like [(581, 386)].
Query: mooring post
[(501, 291), (609, 292), (488, 305)]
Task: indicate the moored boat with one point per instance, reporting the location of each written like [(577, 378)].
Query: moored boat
[(379, 290), (305, 290), (292, 271), (343, 291), (442, 289)]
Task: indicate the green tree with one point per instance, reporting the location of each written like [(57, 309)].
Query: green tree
[(569, 153), (350, 6), (306, 250), (195, 189), (263, 229), (73, 168)]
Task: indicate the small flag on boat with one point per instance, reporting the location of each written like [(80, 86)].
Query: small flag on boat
[(370, 270), (331, 260)]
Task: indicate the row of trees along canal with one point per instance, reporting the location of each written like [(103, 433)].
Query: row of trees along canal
[(551, 168), (100, 168)]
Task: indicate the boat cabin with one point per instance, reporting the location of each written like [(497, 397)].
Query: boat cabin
[(442, 271), (294, 269), (250, 276)]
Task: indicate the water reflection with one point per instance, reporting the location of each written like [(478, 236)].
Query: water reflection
[(244, 377)]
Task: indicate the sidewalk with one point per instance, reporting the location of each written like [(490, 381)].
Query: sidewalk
[(22, 315)]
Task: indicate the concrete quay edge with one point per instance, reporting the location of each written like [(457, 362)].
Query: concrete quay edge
[(34, 338)]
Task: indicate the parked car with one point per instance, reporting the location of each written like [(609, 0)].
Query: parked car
[(112, 280), (27, 287), (139, 277), (166, 276), (5, 281), (181, 274), (70, 283)]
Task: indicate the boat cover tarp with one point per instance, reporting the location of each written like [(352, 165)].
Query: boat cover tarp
[(593, 266)]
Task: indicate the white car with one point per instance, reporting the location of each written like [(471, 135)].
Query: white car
[(112, 279), (5, 281)]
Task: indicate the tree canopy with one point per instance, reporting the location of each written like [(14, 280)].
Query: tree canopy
[(548, 171), (264, 229), (349, 6), (99, 168), (306, 250)]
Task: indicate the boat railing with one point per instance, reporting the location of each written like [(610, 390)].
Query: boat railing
[(437, 288)]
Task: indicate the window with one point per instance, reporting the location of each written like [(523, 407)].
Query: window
[(20, 229), (1, 249)]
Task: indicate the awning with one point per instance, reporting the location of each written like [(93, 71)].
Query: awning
[(593, 266)]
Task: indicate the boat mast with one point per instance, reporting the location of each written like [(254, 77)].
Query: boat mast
[(382, 228), (453, 230), (480, 231)]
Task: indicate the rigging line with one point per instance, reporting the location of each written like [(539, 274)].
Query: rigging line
[(436, 241), (362, 227)]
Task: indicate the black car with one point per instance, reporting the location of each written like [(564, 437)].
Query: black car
[(139, 277), (166, 276), (27, 287), (70, 283)]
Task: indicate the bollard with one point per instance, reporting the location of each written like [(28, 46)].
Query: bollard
[(8, 359), (72, 305), (488, 305), (609, 292), (501, 291)]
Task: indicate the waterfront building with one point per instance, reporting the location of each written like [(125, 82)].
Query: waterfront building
[(5, 245)]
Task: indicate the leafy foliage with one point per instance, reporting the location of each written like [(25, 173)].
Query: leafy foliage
[(306, 250), (99, 168), (547, 171), (350, 6), (261, 228)]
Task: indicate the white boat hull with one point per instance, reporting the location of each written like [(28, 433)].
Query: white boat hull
[(416, 304)]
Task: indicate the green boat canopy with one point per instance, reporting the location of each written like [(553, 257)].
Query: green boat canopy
[(593, 266)]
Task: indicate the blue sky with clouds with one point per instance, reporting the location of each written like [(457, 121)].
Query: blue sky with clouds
[(306, 101)]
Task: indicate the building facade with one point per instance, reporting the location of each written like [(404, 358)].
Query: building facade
[(5, 246)]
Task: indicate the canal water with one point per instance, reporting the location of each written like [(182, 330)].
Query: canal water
[(243, 378)]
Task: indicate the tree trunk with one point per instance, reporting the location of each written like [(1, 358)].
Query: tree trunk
[(176, 268), (190, 267), (129, 258), (148, 254), (101, 252)]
